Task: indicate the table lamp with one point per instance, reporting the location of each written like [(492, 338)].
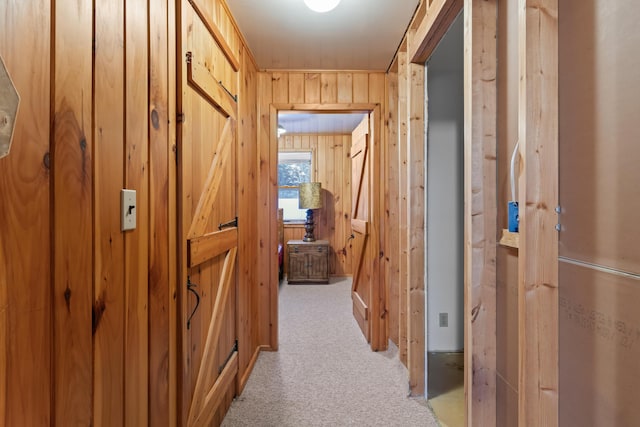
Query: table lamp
[(310, 199)]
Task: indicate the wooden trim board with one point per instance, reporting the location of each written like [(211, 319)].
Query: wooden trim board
[(480, 216), (538, 189)]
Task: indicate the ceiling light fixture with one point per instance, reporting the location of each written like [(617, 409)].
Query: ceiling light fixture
[(321, 6)]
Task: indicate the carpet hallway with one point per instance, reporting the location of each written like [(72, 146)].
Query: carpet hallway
[(324, 373)]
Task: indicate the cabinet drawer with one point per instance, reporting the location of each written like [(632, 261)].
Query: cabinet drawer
[(307, 249)]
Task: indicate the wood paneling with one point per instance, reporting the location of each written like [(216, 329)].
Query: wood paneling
[(403, 132), (89, 337), (392, 201), (108, 243), (480, 211), (332, 165), (99, 144), (72, 155), (267, 206), (25, 222), (416, 229), (247, 221), (538, 185), (136, 328), (162, 218), (285, 90), (506, 259)]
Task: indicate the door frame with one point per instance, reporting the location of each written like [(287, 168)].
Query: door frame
[(480, 212), (379, 341)]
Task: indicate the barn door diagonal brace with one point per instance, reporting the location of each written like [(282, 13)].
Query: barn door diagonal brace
[(191, 288)]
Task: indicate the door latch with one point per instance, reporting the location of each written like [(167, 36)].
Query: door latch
[(191, 288)]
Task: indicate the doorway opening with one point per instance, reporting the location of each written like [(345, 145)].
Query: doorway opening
[(444, 245), (339, 219), (314, 147)]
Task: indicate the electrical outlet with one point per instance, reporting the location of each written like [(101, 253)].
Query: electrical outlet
[(128, 212), (444, 320)]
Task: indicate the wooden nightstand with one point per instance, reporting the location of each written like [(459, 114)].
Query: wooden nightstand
[(308, 261)]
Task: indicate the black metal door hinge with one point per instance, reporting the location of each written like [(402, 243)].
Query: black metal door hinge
[(232, 223), (235, 97), (224, 365)]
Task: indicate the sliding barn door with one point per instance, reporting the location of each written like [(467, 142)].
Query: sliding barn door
[(208, 234)]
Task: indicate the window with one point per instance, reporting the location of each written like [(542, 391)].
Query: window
[(294, 168)]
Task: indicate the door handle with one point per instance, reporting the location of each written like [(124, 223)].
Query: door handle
[(191, 288)]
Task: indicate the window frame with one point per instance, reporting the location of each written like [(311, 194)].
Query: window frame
[(313, 178)]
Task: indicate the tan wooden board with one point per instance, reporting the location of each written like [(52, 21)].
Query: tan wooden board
[(26, 246), (538, 197), (137, 177), (416, 230), (9, 102)]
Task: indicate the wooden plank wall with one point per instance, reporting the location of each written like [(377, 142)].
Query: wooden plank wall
[(73, 147), (85, 309), (247, 201), (506, 257), (403, 133), (88, 314), (25, 242), (430, 23), (480, 108), (392, 203), (416, 229), (291, 90), (538, 194), (162, 216), (333, 170)]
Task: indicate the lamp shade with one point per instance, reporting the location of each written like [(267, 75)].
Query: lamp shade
[(310, 195)]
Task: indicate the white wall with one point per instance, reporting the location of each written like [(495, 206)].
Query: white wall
[(445, 198)]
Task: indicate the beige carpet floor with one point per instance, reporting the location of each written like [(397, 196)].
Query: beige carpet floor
[(324, 373)]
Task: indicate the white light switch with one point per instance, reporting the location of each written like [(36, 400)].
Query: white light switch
[(129, 207)]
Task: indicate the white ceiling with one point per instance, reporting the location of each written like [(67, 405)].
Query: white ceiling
[(356, 35), (319, 122)]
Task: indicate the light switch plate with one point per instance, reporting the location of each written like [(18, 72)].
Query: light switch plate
[(129, 208)]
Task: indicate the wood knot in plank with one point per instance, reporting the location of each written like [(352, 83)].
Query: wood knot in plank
[(67, 298), (99, 307), (474, 312), (155, 119)]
